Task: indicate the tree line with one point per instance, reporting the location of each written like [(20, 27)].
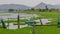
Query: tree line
[(46, 9)]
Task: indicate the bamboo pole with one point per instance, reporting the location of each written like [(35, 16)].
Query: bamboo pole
[(18, 20), (41, 21), (8, 23), (33, 27)]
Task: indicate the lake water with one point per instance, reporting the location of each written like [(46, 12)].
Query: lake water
[(14, 15), (11, 26), (22, 16)]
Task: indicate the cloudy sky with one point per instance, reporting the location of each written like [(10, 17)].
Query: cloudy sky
[(29, 2)]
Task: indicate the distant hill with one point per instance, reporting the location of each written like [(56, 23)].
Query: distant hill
[(42, 5), (13, 6)]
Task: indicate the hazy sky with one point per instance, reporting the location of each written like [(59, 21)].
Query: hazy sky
[(29, 2)]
